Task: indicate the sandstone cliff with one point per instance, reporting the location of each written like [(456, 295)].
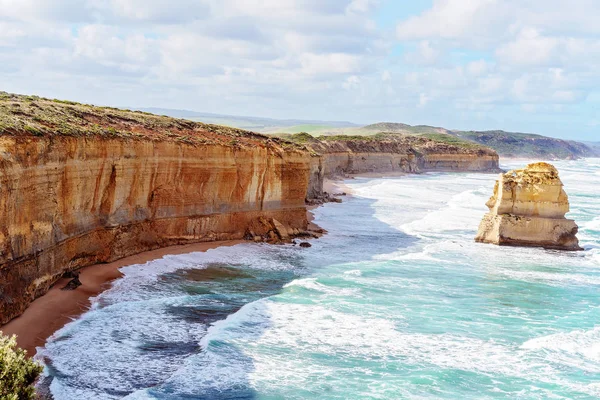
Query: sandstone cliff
[(71, 196), (528, 209), (342, 156), (81, 185)]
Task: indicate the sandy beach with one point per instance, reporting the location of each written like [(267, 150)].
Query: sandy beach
[(58, 307), (55, 309)]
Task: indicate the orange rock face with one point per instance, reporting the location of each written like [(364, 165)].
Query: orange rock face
[(70, 202), (341, 158), (528, 208), (81, 185)]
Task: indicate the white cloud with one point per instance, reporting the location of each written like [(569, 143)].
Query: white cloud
[(361, 6), (530, 48), (352, 82), (478, 68), (425, 54), (45, 11), (102, 44), (538, 56), (470, 22), (325, 64), (282, 57), (454, 19), (165, 11)]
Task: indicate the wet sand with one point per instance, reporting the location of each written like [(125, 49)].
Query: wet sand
[(55, 309), (58, 307)]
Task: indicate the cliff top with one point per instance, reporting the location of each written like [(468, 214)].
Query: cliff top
[(405, 128), (390, 142), (37, 116), (534, 174), (28, 116), (542, 167)]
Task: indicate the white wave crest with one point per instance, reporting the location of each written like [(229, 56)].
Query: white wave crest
[(579, 348), (313, 284)]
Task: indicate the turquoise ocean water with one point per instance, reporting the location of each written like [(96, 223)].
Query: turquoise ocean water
[(396, 302)]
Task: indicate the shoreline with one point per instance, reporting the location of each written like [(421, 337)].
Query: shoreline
[(52, 311)]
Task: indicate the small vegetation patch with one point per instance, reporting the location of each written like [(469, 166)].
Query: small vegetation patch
[(17, 373), (348, 138)]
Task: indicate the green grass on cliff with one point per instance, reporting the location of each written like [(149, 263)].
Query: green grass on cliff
[(426, 142), (453, 140), (36, 116)]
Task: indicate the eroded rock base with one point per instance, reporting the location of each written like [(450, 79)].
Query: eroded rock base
[(512, 230)]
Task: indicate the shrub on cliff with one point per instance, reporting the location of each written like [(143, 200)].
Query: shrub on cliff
[(17, 372)]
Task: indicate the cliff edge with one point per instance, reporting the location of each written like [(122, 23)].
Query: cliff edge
[(82, 185), (528, 208), (340, 156)]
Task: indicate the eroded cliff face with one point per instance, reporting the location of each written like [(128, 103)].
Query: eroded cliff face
[(528, 208), (413, 155), (70, 202), (81, 185)]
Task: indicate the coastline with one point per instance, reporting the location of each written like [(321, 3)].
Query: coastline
[(52, 311)]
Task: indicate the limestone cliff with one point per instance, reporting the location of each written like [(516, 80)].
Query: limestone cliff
[(342, 156), (81, 185), (528, 208)]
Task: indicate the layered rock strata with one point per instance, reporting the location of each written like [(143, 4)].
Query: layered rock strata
[(528, 208), (404, 154), (81, 185), (70, 202)]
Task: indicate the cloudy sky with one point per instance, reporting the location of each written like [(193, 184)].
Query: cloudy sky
[(525, 65)]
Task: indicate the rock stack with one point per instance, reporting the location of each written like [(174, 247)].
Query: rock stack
[(528, 209)]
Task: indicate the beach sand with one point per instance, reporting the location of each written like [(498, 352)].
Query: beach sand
[(56, 308), (335, 187)]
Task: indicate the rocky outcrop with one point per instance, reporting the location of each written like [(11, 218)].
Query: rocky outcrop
[(528, 208)]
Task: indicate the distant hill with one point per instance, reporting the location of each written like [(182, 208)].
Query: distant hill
[(258, 124), (507, 144), (387, 127), (595, 146), (514, 144), (393, 127)]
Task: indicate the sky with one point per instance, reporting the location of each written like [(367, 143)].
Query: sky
[(519, 65)]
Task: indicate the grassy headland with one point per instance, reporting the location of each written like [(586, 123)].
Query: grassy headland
[(37, 116)]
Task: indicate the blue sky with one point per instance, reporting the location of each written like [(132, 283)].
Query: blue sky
[(521, 65)]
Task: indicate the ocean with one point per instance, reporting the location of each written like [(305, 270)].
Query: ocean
[(397, 301)]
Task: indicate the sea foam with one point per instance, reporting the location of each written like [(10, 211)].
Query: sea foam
[(396, 301)]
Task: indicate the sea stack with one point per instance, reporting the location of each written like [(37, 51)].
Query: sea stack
[(528, 209)]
